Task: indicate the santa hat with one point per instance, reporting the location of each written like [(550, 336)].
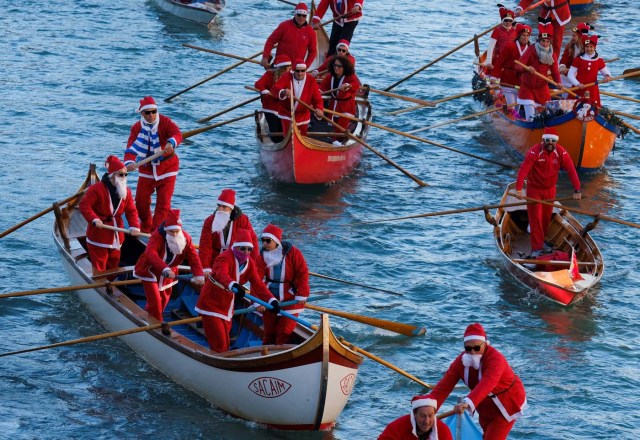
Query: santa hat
[(545, 29), (505, 13), (113, 165), (343, 43), (426, 400), (583, 28), (242, 237), (521, 27), (273, 232), (300, 65), (475, 332), (173, 222), (146, 103), (282, 60), (301, 8), (227, 198), (589, 39), (550, 133)]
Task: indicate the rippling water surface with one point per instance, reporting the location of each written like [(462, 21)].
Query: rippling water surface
[(72, 74)]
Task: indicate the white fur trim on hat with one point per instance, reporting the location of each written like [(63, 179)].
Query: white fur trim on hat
[(148, 106), (223, 203), (475, 337), (301, 66), (419, 403), (301, 12), (271, 236), (554, 137), (173, 228), (242, 243)]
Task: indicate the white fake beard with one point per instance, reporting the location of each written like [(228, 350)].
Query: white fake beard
[(176, 244), (121, 186), (220, 220), (271, 258), (471, 360)]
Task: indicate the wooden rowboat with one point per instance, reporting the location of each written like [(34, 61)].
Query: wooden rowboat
[(551, 277), (196, 11), (312, 159), (581, 6), (302, 386)]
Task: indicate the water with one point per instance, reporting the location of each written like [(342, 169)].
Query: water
[(73, 73)]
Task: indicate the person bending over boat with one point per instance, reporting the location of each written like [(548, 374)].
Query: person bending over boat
[(421, 423), (342, 77), (540, 167), (157, 267), (585, 69), (342, 49), (295, 39), (305, 88), (103, 204), (539, 57), (557, 12), (271, 104), (572, 50), (151, 134), (500, 39), (286, 274), (342, 28), (505, 69), (497, 393), (220, 229), (233, 268)]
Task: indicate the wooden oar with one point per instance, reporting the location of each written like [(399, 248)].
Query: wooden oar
[(451, 121), (215, 75), (581, 211), (215, 115), (586, 86), (453, 211), (126, 231), (615, 95), (551, 262), (396, 327), (549, 80), (288, 2), (41, 213), (212, 126), (422, 102), (436, 102), (631, 127), (281, 312), (416, 138), (446, 414), (224, 54), (69, 288), (431, 63), (626, 115), (364, 144), (630, 71), (355, 284)]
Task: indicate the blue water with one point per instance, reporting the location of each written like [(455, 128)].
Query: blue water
[(72, 74)]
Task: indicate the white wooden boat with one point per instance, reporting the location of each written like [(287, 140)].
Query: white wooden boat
[(302, 386), (197, 11)]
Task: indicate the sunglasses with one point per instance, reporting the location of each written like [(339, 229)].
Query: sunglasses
[(343, 50), (469, 348), (553, 141), (338, 65), (245, 248), (266, 240), (150, 112), (121, 174), (301, 70), (301, 15)]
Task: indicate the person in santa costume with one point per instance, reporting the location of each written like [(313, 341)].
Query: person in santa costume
[(501, 37), (295, 39), (103, 204), (342, 49), (572, 49), (347, 14), (151, 134), (585, 69), (220, 229), (305, 88), (557, 12), (345, 84), (286, 274), (231, 270), (505, 69), (157, 267), (540, 167), (539, 57), (421, 423), (271, 104), (497, 393)]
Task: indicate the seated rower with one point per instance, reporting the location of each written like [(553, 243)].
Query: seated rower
[(271, 104), (504, 67), (342, 49), (572, 50), (585, 69)]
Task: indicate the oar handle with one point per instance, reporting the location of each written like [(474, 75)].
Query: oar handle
[(282, 312), (541, 76), (126, 231)]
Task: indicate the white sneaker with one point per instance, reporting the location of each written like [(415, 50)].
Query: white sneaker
[(337, 144)]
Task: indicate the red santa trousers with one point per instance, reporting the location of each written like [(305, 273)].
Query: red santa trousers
[(539, 215), (157, 299), (103, 259), (494, 425), (558, 33), (277, 329), (164, 192), (217, 332), (287, 123)]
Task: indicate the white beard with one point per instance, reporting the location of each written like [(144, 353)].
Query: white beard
[(176, 244), (471, 360), (121, 186), (271, 258), (220, 220)]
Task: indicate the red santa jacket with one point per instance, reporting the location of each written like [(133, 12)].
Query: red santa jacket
[(216, 299), (558, 10), (403, 428), (298, 43), (310, 94), (571, 50), (213, 244), (584, 70), (288, 280), (157, 258), (541, 168), (531, 86), (503, 37), (342, 101), (495, 380), (140, 147), (97, 204), (504, 66), (270, 104), (346, 6)]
